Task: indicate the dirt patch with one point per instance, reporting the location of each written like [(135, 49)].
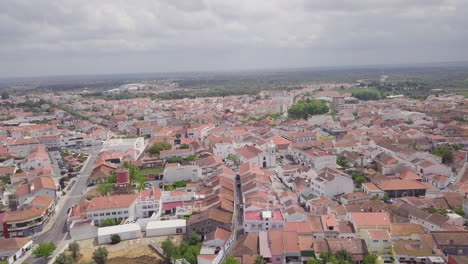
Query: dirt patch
[(134, 251), (138, 260)]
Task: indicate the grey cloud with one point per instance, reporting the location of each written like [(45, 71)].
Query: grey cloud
[(42, 36)]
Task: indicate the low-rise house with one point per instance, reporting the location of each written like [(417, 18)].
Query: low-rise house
[(30, 219), (135, 146), (12, 249), (406, 231), (422, 250), (264, 158), (263, 220), (355, 246), (354, 197), (208, 221), (452, 243), (363, 221), (146, 204), (41, 186), (426, 167), (314, 158), (175, 172), (378, 241), (396, 188), (330, 183)]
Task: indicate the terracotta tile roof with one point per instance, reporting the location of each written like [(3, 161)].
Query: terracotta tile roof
[(248, 152), (371, 219), (111, 202), (247, 244), (13, 244), (219, 233), (36, 185), (378, 234), (397, 184), (212, 214), (39, 205), (406, 229), (279, 140), (7, 170)]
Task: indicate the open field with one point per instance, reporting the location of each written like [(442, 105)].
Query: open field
[(137, 251)]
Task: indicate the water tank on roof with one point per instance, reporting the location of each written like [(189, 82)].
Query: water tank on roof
[(123, 176)]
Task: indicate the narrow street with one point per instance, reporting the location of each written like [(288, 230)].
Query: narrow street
[(58, 231)]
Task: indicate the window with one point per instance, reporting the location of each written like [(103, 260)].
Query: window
[(107, 213), (101, 214), (376, 241), (179, 230), (125, 212), (95, 214), (114, 213)]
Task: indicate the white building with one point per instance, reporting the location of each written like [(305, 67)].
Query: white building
[(166, 228), (263, 220), (330, 183), (126, 232), (316, 159), (118, 207), (175, 172), (137, 145), (264, 158), (12, 249)]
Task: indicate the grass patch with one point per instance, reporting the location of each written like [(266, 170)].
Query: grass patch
[(151, 171)]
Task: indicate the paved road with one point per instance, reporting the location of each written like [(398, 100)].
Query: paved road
[(58, 231)]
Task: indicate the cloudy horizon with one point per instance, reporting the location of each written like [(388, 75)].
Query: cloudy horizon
[(49, 37)]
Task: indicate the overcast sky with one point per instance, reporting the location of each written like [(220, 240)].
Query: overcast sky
[(52, 37)]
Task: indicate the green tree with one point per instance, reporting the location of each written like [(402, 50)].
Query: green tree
[(259, 260), (74, 248), (344, 256), (180, 184), (231, 260), (328, 257), (313, 261), (191, 157), (169, 248), (367, 95), (342, 162), (370, 259), (115, 239), (112, 177), (386, 197), (175, 159), (445, 153), (159, 146), (100, 255), (459, 211), (304, 109), (63, 259), (105, 188), (44, 250), (184, 146), (194, 238), (109, 222), (360, 179)]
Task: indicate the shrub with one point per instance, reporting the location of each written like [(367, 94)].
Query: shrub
[(115, 239)]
